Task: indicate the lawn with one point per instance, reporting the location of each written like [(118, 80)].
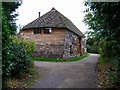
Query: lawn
[(58, 60)]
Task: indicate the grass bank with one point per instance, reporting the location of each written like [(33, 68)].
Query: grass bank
[(58, 60)]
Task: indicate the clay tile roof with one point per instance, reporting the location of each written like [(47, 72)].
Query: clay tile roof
[(53, 18)]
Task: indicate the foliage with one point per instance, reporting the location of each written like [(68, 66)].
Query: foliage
[(6, 32), (14, 56), (28, 44), (103, 19), (90, 34), (58, 60), (9, 11), (6, 53), (104, 73), (17, 62), (108, 49), (103, 60), (26, 79), (91, 45), (116, 71)]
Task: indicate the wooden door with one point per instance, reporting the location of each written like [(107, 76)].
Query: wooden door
[(79, 46)]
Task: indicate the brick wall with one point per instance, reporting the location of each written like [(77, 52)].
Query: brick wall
[(47, 45), (54, 45)]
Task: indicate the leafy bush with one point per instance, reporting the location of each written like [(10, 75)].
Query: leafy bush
[(116, 71), (14, 56), (28, 44), (17, 62), (100, 51), (92, 49), (92, 46), (109, 49)]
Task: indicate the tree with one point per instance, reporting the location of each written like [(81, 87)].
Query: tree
[(103, 19), (9, 11), (89, 34), (8, 28)]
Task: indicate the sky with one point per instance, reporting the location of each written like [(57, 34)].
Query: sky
[(72, 9)]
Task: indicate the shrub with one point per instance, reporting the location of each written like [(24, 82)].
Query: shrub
[(92, 49), (100, 51), (116, 71), (17, 63), (28, 44), (18, 51), (109, 49), (92, 46)]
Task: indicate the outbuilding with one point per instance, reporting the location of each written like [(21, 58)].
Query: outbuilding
[(55, 36)]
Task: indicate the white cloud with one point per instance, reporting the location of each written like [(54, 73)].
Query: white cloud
[(72, 9)]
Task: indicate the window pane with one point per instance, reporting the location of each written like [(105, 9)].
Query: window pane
[(37, 31), (50, 30), (71, 49), (40, 30), (47, 31)]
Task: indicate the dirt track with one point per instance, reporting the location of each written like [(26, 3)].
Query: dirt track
[(77, 74)]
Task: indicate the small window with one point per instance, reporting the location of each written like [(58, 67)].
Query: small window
[(47, 30), (71, 49), (37, 31)]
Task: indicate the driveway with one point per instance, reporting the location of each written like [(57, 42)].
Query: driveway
[(77, 74)]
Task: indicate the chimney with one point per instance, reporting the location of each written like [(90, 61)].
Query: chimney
[(39, 14)]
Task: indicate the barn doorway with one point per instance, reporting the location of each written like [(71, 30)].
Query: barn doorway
[(79, 46)]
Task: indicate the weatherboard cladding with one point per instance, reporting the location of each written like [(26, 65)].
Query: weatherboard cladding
[(53, 19)]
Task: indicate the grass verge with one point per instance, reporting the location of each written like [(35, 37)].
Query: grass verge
[(58, 60)]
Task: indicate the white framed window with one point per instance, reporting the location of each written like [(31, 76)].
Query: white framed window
[(47, 30)]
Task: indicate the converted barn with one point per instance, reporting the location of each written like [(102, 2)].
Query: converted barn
[(55, 36)]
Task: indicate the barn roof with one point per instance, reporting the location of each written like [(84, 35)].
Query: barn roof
[(53, 18)]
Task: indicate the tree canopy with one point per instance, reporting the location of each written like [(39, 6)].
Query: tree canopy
[(8, 12), (104, 19)]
